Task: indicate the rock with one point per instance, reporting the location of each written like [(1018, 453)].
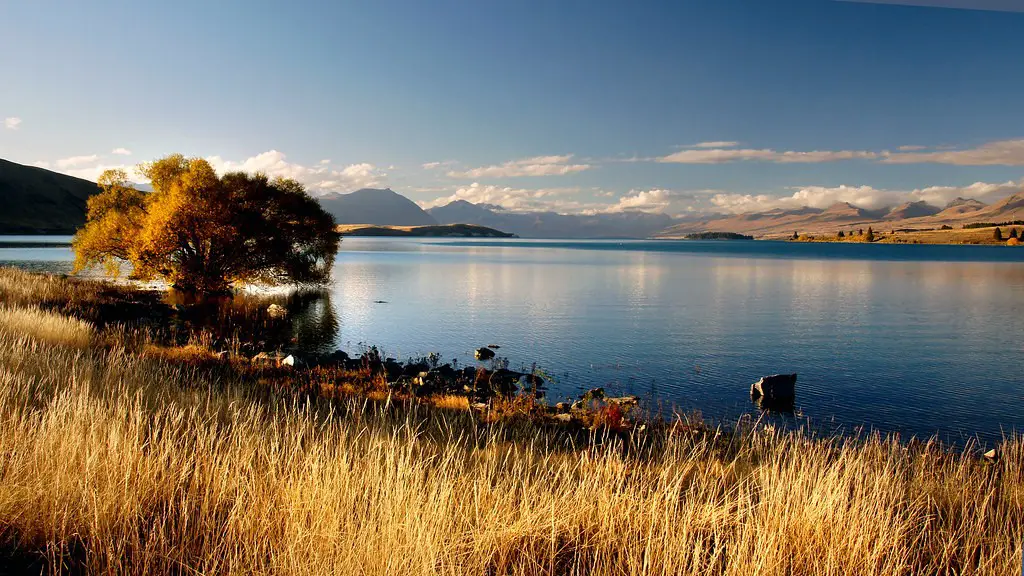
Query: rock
[(272, 359), (288, 361), (992, 455), (564, 417), (223, 355), (493, 346), (478, 406), (483, 353), (629, 400), (775, 388), (563, 407), (276, 311), (503, 382), (531, 381)]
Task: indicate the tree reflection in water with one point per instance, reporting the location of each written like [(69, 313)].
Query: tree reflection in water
[(244, 320)]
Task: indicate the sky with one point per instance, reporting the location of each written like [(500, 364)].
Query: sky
[(572, 106)]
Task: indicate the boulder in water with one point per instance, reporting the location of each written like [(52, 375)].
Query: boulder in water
[(775, 388), (483, 353)]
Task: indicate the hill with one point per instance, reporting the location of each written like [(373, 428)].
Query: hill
[(38, 201), (961, 206), (918, 209), (918, 215), (439, 231), (374, 206), (551, 224)]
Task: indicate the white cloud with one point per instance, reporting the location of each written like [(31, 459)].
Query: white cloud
[(325, 161), (12, 123), (121, 152), (722, 144), (537, 166), (319, 178), (863, 196), (643, 201), (65, 163), (512, 199), (436, 165), (1000, 153), (92, 173), (723, 155)]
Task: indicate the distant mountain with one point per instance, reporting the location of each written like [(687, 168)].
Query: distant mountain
[(779, 223), (551, 224), (1006, 210), (918, 209), (38, 201), (375, 206)]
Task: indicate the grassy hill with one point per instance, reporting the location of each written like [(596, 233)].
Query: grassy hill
[(38, 201)]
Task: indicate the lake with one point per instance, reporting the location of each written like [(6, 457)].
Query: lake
[(917, 339)]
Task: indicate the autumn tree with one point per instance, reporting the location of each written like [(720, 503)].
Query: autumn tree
[(205, 233), (871, 235)]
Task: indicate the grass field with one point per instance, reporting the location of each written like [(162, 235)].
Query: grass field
[(114, 460)]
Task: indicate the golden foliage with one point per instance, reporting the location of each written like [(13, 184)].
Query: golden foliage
[(203, 232)]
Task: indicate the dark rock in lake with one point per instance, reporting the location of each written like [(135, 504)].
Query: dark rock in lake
[(504, 382), (775, 388), (991, 456), (563, 407), (483, 353)]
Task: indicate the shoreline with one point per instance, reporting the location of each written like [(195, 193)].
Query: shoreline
[(126, 453)]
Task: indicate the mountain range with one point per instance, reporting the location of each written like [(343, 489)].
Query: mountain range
[(842, 215), (38, 201)]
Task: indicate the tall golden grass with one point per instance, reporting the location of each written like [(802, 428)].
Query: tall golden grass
[(117, 463), (47, 326)]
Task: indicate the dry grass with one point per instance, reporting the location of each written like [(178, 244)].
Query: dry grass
[(954, 236), (46, 326), (119, 463)]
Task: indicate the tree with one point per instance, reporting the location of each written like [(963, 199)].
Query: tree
[(997, 235), (795, 235), (871, 235), (841, 234), (203, 232), (1013, 232)]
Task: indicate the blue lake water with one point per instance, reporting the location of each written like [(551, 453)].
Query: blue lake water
[(918, 339)]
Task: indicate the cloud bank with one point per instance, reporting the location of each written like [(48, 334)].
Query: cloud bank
[(318, 178), (536, 166), (863, 196), (998, 153)]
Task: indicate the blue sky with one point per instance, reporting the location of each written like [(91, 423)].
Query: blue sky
[(574, 106)]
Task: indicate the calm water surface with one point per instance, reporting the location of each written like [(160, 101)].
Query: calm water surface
[(917, 339)]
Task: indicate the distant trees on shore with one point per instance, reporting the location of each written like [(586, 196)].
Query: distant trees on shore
[(203, 232)]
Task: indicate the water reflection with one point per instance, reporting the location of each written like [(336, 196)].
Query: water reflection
[(914, 339), (309, 326)]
